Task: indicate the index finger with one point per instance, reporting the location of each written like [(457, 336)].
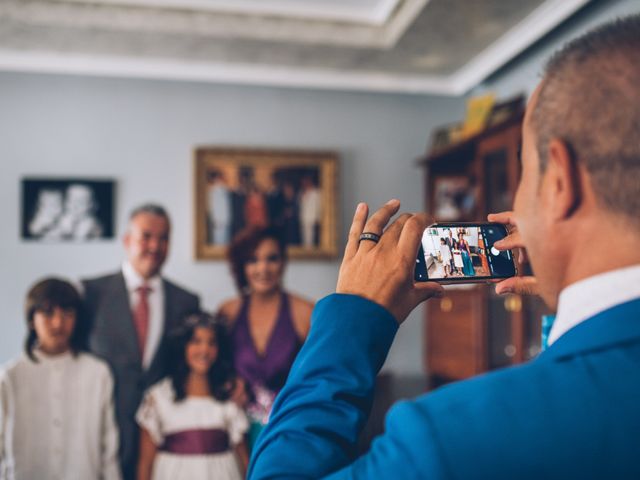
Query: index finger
[(506, 218), (392, 232), (513, 240), (411, 235)]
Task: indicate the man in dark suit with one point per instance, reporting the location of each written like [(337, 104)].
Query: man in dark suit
[(570, 413), (452, 243), (130, 313)]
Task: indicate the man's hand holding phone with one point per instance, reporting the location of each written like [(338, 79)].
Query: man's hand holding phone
[(382, 270), (523, 285)]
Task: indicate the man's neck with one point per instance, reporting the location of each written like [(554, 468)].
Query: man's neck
[(584, 299), (605, 243)]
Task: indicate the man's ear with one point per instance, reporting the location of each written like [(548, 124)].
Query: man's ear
[(562, 181)]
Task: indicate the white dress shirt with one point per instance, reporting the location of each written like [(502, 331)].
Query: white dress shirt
[(310, 206), (156, 308), (57, 419), (586, 298)]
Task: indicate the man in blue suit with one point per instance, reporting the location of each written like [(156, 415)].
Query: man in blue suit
[(573, 412)]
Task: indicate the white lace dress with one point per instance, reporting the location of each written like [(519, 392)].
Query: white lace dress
[(176, 427)]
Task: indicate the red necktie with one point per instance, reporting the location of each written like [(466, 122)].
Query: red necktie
[(141, 316)]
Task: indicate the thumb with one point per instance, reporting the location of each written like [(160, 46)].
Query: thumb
[(425, 290), (518, 285)]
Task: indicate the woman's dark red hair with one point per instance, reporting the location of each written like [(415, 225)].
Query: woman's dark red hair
[(243, 247)]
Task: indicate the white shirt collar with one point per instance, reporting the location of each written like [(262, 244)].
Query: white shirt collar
[(586, 298), (133, 280)]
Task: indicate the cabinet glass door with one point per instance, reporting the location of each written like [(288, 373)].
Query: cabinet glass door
[(496, 174)]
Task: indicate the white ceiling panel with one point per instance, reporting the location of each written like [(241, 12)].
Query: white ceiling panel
[(371, 12), (423, 46)]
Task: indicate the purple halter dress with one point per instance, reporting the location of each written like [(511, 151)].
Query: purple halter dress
[(265, 373)]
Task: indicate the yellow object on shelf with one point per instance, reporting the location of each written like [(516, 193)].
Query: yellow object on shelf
[(478, 110)]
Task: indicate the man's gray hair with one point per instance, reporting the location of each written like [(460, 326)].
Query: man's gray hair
[(590, 99), (153, 209)]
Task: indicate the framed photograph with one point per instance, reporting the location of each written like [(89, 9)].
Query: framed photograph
[(67, 209), (455, 197), (295, 191), (440, 138)]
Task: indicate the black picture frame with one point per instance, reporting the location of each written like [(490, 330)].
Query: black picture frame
[(67, 209)]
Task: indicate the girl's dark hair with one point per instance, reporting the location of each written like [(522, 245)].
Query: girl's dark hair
[(221, 373), (46, 295), (244, 245)]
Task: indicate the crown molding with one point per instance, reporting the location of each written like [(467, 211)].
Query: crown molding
[(541, 21), (336, 11), (126, 67), (115, 16), (533, 27)]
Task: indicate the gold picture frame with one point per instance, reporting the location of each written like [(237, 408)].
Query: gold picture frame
[(295, 190)]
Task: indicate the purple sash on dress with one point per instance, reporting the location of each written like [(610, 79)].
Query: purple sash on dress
[(197, 442)]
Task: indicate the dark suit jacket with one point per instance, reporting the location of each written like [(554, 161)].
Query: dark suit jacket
[(112, 336), (573, 412), (450, 242)]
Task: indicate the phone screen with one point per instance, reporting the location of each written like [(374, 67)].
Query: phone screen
[(463, 253)]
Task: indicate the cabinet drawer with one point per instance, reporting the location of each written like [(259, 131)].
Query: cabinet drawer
[(455, 335)]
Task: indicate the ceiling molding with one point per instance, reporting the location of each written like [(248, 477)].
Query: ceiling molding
[(371, 12), (400, 23), (540, 22), (112, 66), (514, 41), (115, 16)]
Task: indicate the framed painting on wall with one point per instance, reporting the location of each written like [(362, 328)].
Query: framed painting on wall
[(295, 191), (67, 209)]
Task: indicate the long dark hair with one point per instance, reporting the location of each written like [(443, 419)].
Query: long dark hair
[(221, 373), (46, 295)]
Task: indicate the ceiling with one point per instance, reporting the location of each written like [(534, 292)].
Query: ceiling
[(372, 12), (420, 46)]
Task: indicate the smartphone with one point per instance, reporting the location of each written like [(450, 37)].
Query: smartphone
[(463, 253)]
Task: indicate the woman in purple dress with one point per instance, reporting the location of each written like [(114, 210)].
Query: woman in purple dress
[(267, 324)]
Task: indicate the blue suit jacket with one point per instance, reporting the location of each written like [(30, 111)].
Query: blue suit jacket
[(573, 412)]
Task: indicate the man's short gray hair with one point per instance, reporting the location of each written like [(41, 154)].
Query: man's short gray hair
[(153, 209), (590, 99)]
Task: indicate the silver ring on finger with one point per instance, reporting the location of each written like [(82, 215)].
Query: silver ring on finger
[(373, 237)]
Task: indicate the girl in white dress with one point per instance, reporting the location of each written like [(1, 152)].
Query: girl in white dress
[(189, 427), (445, 254), (457, 260), (56, 402)]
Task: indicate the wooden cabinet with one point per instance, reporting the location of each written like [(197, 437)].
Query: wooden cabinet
[(471, 329), (455, 327)]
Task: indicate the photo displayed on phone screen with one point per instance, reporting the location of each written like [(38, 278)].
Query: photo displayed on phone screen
[(463, 253)]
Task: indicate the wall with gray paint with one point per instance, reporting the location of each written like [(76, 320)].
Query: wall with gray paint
[(142, 133)]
